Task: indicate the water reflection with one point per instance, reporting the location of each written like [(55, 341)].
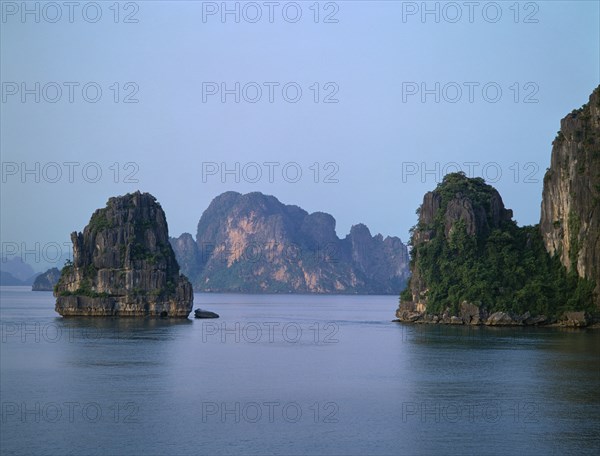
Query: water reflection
[(539, 384), (94, 328), (400, 389)]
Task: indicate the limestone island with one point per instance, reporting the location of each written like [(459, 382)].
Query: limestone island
[(46, 281), (471, 264), (123, 265)]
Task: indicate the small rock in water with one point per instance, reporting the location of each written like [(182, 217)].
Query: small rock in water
[(199, 313)]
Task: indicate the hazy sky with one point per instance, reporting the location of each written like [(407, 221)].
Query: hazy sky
[(370, 147)]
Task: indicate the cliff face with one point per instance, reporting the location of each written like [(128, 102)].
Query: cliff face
[(123, 265), (254, 243), (46, 281), (188, 256), (570, 220)]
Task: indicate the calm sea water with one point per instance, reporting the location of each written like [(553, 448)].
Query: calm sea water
[(290, 375)]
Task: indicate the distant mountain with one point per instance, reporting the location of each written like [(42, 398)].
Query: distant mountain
[(254, 243), (7, 279), (46, 280), (18, 269)]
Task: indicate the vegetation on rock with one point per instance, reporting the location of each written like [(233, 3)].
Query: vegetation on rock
[(505, 268)]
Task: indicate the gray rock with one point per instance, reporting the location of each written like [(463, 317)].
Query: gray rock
[(501, 319), (535, 320), (575, 319), (407, 312), (469, 313), (410, 316)]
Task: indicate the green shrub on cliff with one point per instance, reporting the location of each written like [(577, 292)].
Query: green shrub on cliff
[(99, 221)]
